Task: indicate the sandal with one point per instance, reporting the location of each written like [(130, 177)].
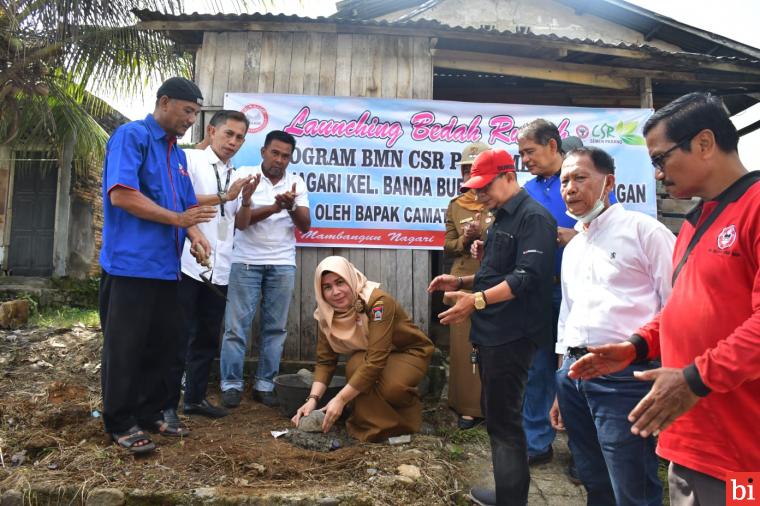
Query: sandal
[(128, 440), (172, 429)]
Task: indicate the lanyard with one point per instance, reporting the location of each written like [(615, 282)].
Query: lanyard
[(219, 185)]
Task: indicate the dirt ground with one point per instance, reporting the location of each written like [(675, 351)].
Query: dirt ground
[(53, 449)]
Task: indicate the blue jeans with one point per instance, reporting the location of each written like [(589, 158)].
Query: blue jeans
[(249, 284), (540, 391), (539, 397), (615, 466)]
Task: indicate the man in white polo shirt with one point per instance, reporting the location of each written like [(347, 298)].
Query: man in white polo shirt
[(216, 183), (263, 269), (615, 277)]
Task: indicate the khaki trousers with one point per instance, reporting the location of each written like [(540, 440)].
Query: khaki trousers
[(392, 406)]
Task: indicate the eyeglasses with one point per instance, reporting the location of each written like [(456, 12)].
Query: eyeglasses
[(658, 162), (484, 190)]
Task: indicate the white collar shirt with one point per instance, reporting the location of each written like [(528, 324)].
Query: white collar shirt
[(616, 276), (270, 241), (202, 165)]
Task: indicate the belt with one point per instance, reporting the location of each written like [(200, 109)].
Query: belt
[(577, 351), (555, 280)]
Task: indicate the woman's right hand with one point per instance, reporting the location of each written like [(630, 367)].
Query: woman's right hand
[(304, 410)]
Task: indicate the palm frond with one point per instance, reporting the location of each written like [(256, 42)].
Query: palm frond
[(53, 51), (120, 60)]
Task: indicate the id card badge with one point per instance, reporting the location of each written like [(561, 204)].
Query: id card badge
[(221, 229)]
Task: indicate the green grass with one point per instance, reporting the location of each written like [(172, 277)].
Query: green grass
[(662, 472), (65, 317), (456, 436)]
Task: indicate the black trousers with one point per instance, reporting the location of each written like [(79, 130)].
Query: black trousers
[(503, 375), (141, 328), (202, 313)]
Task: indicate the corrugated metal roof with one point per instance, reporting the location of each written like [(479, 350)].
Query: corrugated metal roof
[(433, 25), (654, 25), (362, 9), (649, 23)]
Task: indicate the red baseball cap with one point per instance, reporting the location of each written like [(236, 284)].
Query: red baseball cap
[(487, 166)]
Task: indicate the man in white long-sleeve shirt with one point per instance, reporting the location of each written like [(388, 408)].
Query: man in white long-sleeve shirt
[(615, 277), (216, 183)]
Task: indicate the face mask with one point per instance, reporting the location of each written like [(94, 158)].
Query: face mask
[(594, 212)]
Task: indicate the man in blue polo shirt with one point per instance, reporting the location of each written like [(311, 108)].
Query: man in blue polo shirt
[(542, 151), (149, 206), (540, 147)]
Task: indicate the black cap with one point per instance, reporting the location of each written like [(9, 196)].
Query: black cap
[(570, 143), (181, 89)]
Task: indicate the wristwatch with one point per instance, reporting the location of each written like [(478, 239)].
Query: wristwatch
[(222, 197), (480, 300)]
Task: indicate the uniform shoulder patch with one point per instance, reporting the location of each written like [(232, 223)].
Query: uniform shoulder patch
[(377, 311)]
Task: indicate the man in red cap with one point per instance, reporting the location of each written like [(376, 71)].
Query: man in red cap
[(512, 293)]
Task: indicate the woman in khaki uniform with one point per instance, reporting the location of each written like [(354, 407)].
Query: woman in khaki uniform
[(389, 355), (466, 221)]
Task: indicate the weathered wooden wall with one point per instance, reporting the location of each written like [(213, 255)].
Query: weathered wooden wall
[(309, 63)]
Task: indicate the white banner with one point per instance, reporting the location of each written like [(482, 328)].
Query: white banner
[(381, 173)]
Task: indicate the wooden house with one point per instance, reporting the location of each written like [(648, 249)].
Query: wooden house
[(605, 53)]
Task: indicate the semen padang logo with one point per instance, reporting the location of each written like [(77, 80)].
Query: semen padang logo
[(258, 117), (727, 237)]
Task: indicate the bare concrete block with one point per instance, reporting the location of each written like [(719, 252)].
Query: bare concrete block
[(313, 422), (105, 497), (12, 498)]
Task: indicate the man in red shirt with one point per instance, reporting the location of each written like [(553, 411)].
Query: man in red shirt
[(705, 400)]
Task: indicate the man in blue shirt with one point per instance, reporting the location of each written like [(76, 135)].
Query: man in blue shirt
[(542, 151), (540, 147), (149, 206)]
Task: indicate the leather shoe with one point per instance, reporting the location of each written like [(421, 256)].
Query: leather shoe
[(231, 398), (483, 496), (466, 424), (268, 399), (205, 408), (541, 458), (572, 473)]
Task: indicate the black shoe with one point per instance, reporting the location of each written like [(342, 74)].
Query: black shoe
[(541, 458), (205, 408), (572, 473), (483, 496), (231, 398), (268, 399), (466, 424)]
